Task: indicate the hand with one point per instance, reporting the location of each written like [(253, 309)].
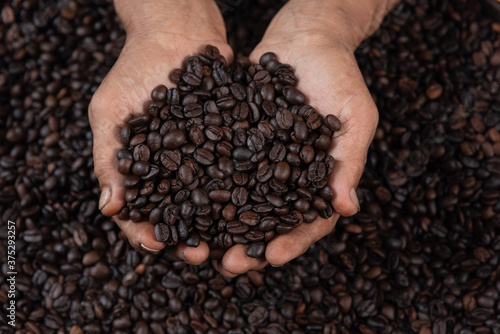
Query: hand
[(155, 46), (327, 72)]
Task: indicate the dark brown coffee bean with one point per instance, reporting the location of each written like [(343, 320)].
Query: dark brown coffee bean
[(332, 122), (125, 165), (203, 156), (239, 196), (140, 168), (174, 139), (277, 153), (238, 91), (235, 227), (284, 119), (171, 214), (162, 232), (282, 171), (323, 143), (170, 160), (141, 153), (249, 218), (293, 95), (186, 174), (159, 93), (199, 197), (154, 141), (255, 140), (214, 133), (124, 136), (220, 196)]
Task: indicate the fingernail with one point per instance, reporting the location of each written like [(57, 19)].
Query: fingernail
[(154, 251), (354, 199), (105, 198), (272, 265)]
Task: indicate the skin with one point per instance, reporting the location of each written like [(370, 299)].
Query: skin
[(317, 38)]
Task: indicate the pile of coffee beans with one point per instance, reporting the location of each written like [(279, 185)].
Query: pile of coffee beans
[(422, 256), (233, 155)]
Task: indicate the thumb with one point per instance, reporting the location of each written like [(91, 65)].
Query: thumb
[(359, 121), (106, 144)]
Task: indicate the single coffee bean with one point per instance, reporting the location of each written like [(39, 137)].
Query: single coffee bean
[(282, 171), (249, 218), (162, 232), (284, 119), (174, 139), (220, 196)]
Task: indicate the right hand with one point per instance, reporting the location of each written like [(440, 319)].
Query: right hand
[(157, 43)]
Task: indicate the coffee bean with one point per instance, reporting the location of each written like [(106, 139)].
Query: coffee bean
[(203, 156), (170, 160), (162, 232), (199, 197), (293, 95), (159, 93), (140, 168), (174, 139), (284, 119), (256, 249), (220, 196), (282, 171)]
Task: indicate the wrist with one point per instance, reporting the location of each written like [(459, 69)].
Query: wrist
[(144, 18), (338, 21)]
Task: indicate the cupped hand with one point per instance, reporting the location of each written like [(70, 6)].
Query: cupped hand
[(150, 54), (329, 76)]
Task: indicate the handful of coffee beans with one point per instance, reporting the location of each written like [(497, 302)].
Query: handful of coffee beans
[(233, 155)]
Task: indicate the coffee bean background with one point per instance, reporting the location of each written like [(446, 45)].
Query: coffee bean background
[(422, 256)]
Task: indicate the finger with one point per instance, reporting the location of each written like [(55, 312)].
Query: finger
[(350, 147), (236, 261), (218, 266), (140, 235), (192, 255), (286, 247), (106, 144)]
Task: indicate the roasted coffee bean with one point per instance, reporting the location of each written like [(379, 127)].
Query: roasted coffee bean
[(141, 153), (332, 122), (174, 139), (125, 135), (249, 218), (220, 196), (170, 160), (239, 196), (159, 93), (284, 119), (154, 141), (203, 156), (171, 214), (199, 197), (282, 171), (255, 140), (162, 232), (125, 165), (256, 249), (186, 174), (236, 228), (140, 168), (277, 153), (293, 95)]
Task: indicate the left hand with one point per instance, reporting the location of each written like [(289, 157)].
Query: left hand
[(329, 76)]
